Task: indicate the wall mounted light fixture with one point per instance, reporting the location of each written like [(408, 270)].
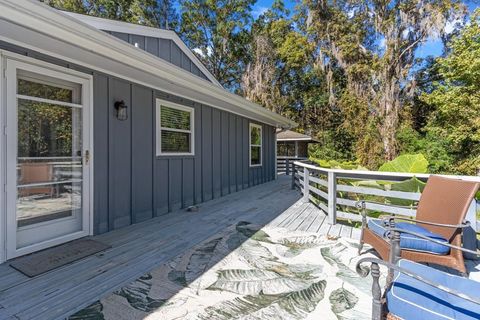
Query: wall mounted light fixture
[(122, 110)]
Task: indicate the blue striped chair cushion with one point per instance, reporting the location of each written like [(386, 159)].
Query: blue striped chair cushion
[(412, 299), (411, 242)]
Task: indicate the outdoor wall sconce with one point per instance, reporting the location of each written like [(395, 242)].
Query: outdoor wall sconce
[(121, 109)]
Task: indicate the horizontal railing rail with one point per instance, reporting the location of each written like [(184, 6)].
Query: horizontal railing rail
[(336, 192), (284, 164)]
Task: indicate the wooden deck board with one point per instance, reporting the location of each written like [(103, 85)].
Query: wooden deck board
[(295, 223), (305, 225), (293, 215), (346, 231), (322, 218), (138, 248), (356, 232)]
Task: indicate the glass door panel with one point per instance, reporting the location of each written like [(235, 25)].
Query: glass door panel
[(47, 177), (49, 162)]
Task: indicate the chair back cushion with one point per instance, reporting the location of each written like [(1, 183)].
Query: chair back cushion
[(446, 201), (411, 242), (409, 298)]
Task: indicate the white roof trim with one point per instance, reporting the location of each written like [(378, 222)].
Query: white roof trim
[(293, 139), (39, 17), (130, 28)]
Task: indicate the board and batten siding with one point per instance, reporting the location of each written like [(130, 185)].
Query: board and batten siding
[(165, 49), (135, 184), (131, 183)]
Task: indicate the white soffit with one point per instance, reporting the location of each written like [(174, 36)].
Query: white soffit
[(130, 28), (34, 25)]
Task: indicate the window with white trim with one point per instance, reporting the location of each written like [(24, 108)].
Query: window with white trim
[(255, 145), (174, 129)]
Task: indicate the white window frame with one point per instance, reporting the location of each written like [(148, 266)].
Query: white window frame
[(250, 145), (159, 128)]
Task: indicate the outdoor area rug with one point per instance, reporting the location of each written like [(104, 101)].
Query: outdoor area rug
[(248, 273), (40, 262)]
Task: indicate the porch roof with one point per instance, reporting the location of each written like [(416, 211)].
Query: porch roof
[(289, 135)]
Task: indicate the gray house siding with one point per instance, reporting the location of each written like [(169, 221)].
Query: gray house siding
[(163, 48), (131, 183)]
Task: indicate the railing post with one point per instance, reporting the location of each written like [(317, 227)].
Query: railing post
[(293, 175), (332, 198), (287, 166), (306, 184)]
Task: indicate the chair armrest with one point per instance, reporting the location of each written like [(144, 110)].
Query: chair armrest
[(360, 203), (363, 272), (463, 225)]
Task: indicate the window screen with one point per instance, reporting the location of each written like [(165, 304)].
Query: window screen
[(176, 129), (255, 145), (286, 149)]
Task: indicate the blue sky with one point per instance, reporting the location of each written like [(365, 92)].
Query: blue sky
[(432, 47)]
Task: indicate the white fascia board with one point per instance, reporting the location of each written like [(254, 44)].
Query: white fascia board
[(39, 17), (130, 28), (292, 139)]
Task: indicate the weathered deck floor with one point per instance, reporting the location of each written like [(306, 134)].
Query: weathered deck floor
[(139, 248)]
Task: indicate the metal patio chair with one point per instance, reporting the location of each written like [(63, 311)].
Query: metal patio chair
[(440, 216), (416, 291)]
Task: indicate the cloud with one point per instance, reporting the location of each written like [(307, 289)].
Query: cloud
[(451, 25), (258, 11), (382, 43), (200, 52)]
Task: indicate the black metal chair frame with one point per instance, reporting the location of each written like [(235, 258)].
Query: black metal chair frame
[(378, 302)]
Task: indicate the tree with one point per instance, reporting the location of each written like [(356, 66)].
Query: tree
[(455, 98), (374, 44), (217, 31), (279, 72), (153, 13)]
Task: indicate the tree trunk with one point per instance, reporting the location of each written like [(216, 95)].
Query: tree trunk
[(389, 107)]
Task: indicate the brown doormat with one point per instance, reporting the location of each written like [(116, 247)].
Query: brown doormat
[(40, 262)]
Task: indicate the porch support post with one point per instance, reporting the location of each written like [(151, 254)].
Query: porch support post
[(276, 153), (332, 198), (293, 175), (287, 166), (306, 184)]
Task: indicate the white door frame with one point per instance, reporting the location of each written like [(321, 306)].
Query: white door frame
[(8, 229)]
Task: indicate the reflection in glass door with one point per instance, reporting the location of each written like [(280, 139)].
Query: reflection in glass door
[(49, 163)]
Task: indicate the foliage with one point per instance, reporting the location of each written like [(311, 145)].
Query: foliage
[(455, 121), (333, 164), (217, 32), (280, 73), (376, 73), (411, 163), (153, 13)]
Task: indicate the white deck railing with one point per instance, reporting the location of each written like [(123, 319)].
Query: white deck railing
[(335, 191), (284, 164)]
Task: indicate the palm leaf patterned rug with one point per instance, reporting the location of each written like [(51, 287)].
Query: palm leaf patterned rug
[(248, 272)]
